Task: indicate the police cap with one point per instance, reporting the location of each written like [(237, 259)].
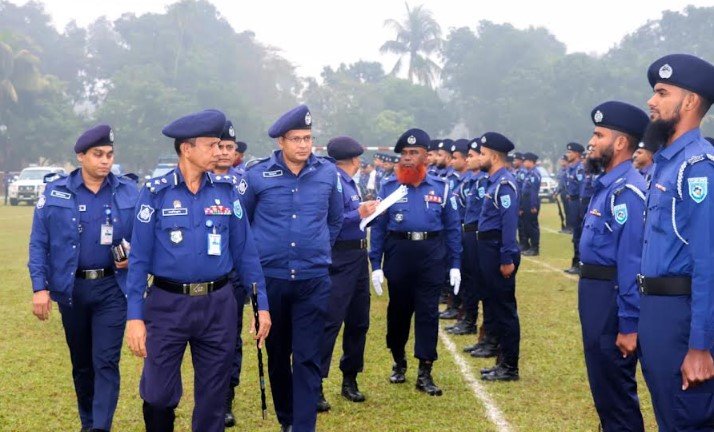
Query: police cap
[(99, 135)]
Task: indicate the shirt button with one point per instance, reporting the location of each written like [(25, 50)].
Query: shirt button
[(292, 271), (292, 244), (292, 277), (74, 246), (294, 216), (73, 219)]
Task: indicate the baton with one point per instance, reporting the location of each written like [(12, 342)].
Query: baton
[(560, 213), (261, 372)]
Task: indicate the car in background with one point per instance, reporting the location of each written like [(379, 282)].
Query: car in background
[(548, 185), (31, 183), (163, 166)]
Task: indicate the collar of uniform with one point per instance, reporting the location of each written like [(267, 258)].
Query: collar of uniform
[(497, 175), (176, 178), (75, 180), (679, 144), (619, 171), (346, 177)]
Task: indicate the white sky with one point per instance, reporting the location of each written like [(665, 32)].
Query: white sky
[(315, 33)]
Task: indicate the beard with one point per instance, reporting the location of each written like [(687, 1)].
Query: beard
[(441, 165), (658, 132), (596, 165), (485, 166), (410, 175)]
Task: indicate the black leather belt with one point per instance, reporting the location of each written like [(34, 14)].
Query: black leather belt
[(92, 274), (415, 235), (489, 235), (191, 289), (573, 197), (665, 286), (598, 272), (341, 245), (470, 227)]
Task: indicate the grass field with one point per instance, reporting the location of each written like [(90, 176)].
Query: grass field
[(36, 392)]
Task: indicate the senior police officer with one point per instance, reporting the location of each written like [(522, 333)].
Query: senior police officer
[(575, 175), (191, 232), (294, 202), (676, 308), (610, 250), (530, 205), (498, 254), (77, 221), (415, 235), (349, 275)]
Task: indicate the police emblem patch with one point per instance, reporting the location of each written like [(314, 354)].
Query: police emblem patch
[(176, 237), (481, 192), (41, 201), (620, 212), (453, 203), (665, 71), (411, 140), (237, 209), (698, 188), (399, 217), (339, 183), (453, 148), (598, 116), (505, 201), (242, 186), (579, 177), (145, 213), (177, 204)]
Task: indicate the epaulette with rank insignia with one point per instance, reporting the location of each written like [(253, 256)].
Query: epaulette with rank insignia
[(157, 184), (254, 162), (230, 179), (49, 178)]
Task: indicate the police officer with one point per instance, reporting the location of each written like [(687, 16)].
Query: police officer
[(349, 275), (610, 250), (191, 232), (575, 174), (415, 235), (498, 254), (676, 311), (77, 221), (643, 161), (443, 157), (530, 205), (431, 153), (519, 172), (294, 202), (561, 193)]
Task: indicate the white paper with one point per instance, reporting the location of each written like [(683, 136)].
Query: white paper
[(384, 204)]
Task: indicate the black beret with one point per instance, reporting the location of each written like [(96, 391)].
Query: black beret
[(621, 117), (99, 135), (474, 145), (228, 134), (497, 142), (685, 71), (518, 156), (241, 147), (530, 156), (297, 118), (573, 146), (646, 146), (433, 145), (461, 146), (206, 123), (344, 147), (412, 138), (445, 144)]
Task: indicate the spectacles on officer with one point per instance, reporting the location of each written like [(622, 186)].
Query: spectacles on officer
[(297, 139)]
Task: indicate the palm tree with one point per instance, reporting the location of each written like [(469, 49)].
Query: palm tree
[(419, 37), (19, 71)]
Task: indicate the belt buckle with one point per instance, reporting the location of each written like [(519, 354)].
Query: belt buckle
[(418, 235), (641, 283), (91, 274), (363, 243), (198, 289)]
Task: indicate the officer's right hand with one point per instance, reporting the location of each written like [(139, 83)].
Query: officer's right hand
[(41, 304), (264, 325), (136, 337), (697, 367), (367, 208), (507, 270), (377, 280)]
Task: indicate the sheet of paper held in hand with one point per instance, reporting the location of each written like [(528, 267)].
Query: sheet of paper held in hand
[(383, 205)]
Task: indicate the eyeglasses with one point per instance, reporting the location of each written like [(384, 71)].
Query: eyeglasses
[(297, 140)]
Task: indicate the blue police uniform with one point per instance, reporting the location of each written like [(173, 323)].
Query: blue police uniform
[(73, 230), (573, 186), (646, 173), (295, 220), (520, 175), (561, 176), (529, 200)]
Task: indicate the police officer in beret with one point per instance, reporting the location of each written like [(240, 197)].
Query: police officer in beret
[(192, 231), (575, 175), (431, 153), (415, 236), (519, 172), (677, 282), (561, 193), (643, 161), (349, 275), (530, 205), (498, 254), (443, 157), (78, 220), (610, 250), (294, 202)]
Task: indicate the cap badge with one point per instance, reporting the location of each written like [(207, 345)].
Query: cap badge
[(665, 72), (231, 132), (598, 116), (308, 119), (411, 140)]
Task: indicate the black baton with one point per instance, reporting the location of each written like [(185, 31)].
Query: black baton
[(261, 372)]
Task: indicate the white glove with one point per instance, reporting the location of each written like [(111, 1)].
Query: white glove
[(454, 279), (377, 280)]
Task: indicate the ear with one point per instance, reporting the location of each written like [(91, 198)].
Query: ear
[(80, 157)]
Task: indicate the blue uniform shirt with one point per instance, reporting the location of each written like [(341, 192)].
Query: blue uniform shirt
[(427, 207), (295, 218), (529, 190), (520, 174), (56, 242), (171, 236), (237, 172), (587, 186), (574, 176), (681, 243), (92, 215), (561, 176), (612, 235), (351, 201), (473, 192), (460, 192), (500, 212), (647, 173)]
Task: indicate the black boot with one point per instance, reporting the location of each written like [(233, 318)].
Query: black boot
[(425, 382), (350, 390), (322, 404), (502, 372), (158, 419), (484, 350), (286, 428), (399, 369), (531, 252), (230, 419), (464, 327), (449, 313)]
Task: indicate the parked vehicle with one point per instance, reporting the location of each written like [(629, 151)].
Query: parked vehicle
[(31, 183), (548, 185)]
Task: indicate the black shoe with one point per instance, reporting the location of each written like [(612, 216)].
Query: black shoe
[(350, 390), (286, 428), (230, 419), (531, 252), (502, 372), (463, 328), (322, 404), (486, 371), (443, 298), (566, 231), (449, 328), (485, 351), (470, 348), (425, 382), (449, 313), (572, 270), (399, 369)]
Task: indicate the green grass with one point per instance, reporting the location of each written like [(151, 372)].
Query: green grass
[(36, 392)]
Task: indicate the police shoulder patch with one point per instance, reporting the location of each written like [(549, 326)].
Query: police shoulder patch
[(145, 213), (453, 203), (620, 213), (41, 201), (242, 186), (505, 201), (237, 209), (698, 188), (339, 183)]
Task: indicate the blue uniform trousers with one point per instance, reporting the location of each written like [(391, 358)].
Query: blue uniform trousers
[(348, 303), (664, 341), (471, 283), (572, 208), (298, 311), (208, 324), (522, 231), (582, 208), (415, 274), (612, 378), (240, 294), (532, 230), (94, 329), (501, 300)]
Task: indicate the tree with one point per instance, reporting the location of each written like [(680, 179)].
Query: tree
[(419, 37)]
